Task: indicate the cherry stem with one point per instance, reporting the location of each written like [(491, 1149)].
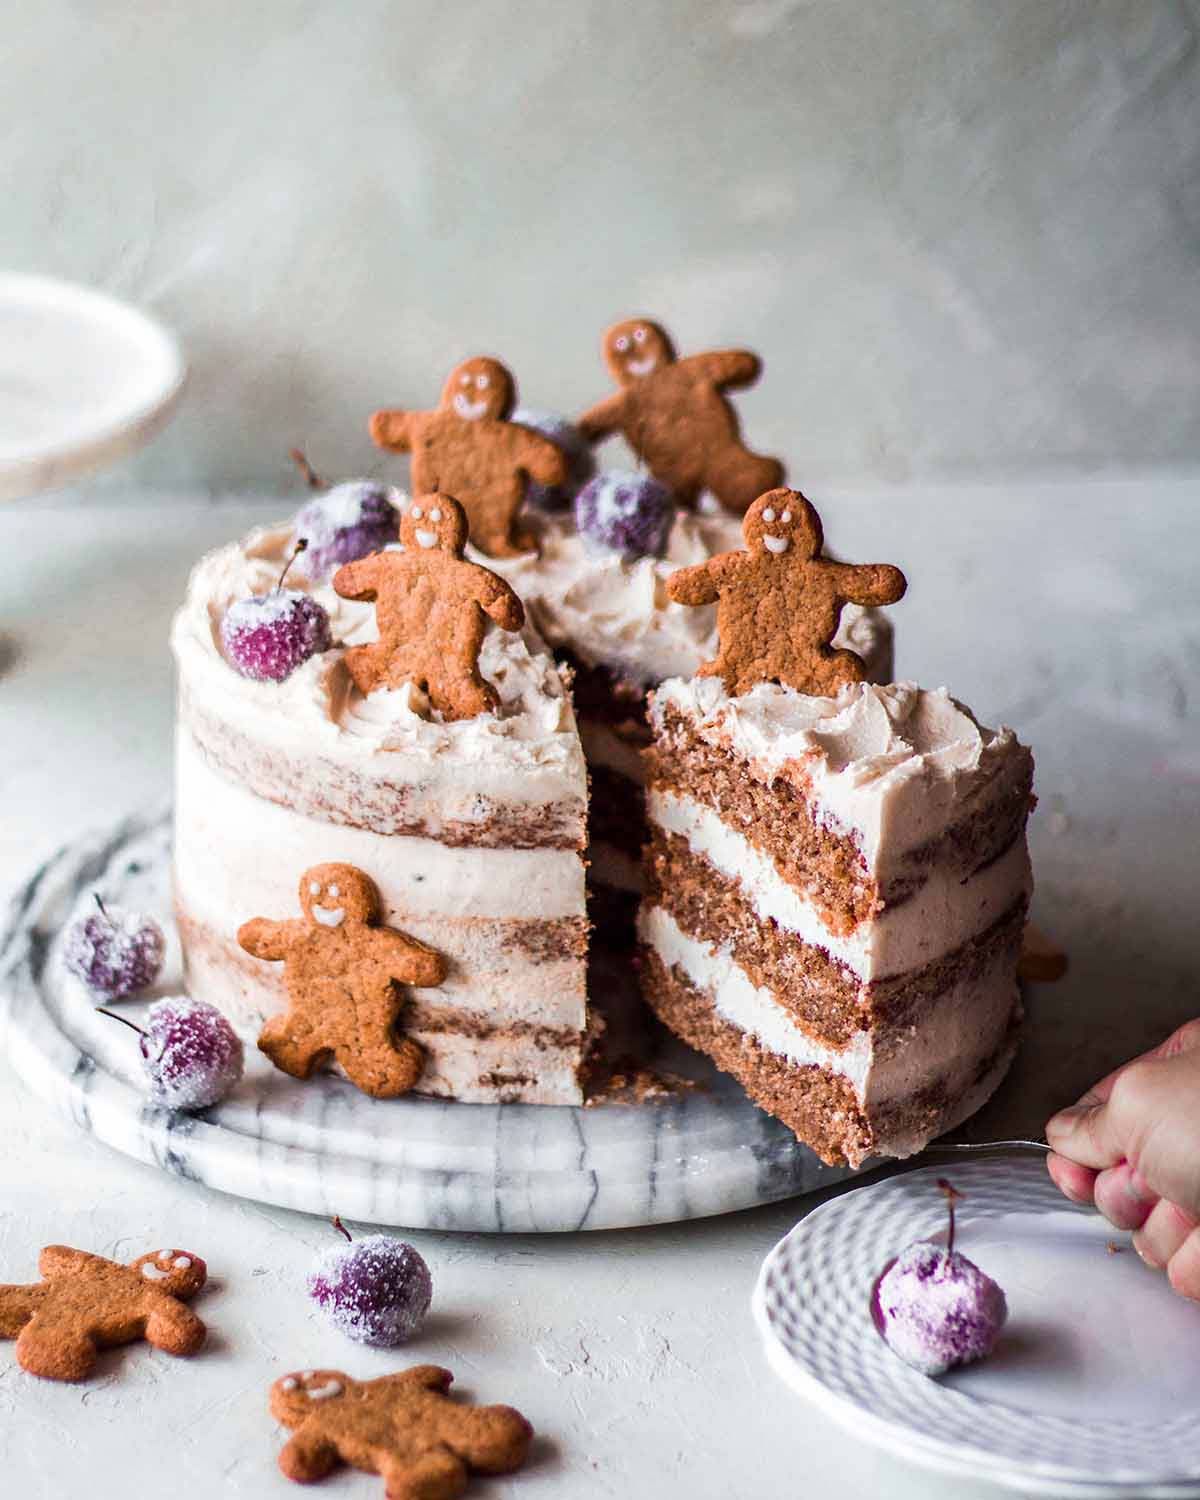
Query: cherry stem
[(952, 1196), (310, 475), (103, 908), (124, 1020), (301, 546), (341, 1229)]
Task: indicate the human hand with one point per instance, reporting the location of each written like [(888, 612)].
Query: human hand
[(1132, 1146)]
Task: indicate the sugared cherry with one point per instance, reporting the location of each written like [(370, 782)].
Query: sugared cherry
[(190, 1053), (626, 513), (114, 951), (268, 636), (376, 1290), (581, 464)]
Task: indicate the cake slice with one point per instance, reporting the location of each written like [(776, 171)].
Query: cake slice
[(836, 893)]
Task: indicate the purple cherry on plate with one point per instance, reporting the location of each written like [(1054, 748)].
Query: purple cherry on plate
[(268, 636), (626, 513), (581, 465), (190, 1053), (114, 951), (346, 523), (376, 1290), (935, 1308)]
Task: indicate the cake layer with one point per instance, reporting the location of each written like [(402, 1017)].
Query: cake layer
[(827, 998), (945, 910), (823, 1107)]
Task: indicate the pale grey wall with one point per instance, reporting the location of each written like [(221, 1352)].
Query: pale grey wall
[(963, 235)]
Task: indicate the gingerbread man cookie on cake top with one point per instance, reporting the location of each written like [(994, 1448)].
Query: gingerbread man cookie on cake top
[(85, 1303), (403, 1427), (343, 970), (468, 447), (779, 602), (430, 605), (675, 415)]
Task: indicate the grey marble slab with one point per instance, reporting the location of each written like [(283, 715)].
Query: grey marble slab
[(322, 1147)]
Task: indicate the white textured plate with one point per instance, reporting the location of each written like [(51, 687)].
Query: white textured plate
[(1094, 1388), (84, 379)]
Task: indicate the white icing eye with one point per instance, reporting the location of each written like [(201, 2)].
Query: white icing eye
[(464, 379), (334, 890), (640, 335), (416, 511), (768, 514), (182, 1262), (435, 514), (314, 887), (483, 381), (786, 517), (621, 343), (288, 1383)]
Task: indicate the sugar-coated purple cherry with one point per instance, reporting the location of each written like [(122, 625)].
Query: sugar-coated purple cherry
[(268, 636), (376, 1290), (626, 513), (937, 1309), (116, 952), (191, 1055), (346, 523), (565, 436)]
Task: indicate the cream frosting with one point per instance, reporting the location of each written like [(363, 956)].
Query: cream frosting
[(527, 751), (893, 766), (614, 612)]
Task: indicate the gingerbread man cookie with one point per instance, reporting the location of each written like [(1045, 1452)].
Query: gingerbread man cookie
[(675, 416), (430, 605), (402, 1427), (779, 602), (342, 970), (467, 446), (85, 1303)]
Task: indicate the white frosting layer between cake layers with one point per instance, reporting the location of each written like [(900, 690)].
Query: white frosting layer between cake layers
[(963, 1029), (943, 914), (615, 613), (527, 752), (891, 766)]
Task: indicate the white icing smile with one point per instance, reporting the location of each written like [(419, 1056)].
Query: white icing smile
[(641, 367), (323, 1392), (471, 410), (154, 1273), (425, 538), (329, 916), (776, 544)]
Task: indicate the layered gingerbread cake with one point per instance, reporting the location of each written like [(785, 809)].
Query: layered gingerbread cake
[(836, 893), (608, 617), (473, 831)]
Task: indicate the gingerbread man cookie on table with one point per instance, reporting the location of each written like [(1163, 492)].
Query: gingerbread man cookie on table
[(85, 1303), (402, 1427), (430, 605), (343, 970), (779, 602), (675, 415), (468, 447)]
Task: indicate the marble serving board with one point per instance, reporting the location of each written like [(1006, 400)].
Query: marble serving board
[(322, 1147)]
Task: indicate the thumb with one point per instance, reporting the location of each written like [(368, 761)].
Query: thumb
[(1086, 1133)]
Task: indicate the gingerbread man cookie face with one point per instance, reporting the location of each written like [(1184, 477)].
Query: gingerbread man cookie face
[(343, 971), (479, 388), (779, 603), (467, 447), (675, 415), (85, 1303), (431, 606), (403, 1427), (636, 348)]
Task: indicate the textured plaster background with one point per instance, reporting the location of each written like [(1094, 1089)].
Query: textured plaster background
[(963, 233)]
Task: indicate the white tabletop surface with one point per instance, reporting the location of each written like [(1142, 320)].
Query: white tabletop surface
[(1069, 611)]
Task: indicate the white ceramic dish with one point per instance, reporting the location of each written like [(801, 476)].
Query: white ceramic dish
[(1094, 1388), (84, 380)]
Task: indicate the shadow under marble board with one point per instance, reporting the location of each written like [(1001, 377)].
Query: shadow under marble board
[(322, 1147)]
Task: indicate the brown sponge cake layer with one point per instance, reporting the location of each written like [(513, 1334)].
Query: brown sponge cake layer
[(822, 995)]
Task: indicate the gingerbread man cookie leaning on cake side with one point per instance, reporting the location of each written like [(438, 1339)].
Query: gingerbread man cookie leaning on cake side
[(430, 604), (343, 970), (675, 416), (468, 447), (402, 1427), (85, 1303), (780, 601)]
